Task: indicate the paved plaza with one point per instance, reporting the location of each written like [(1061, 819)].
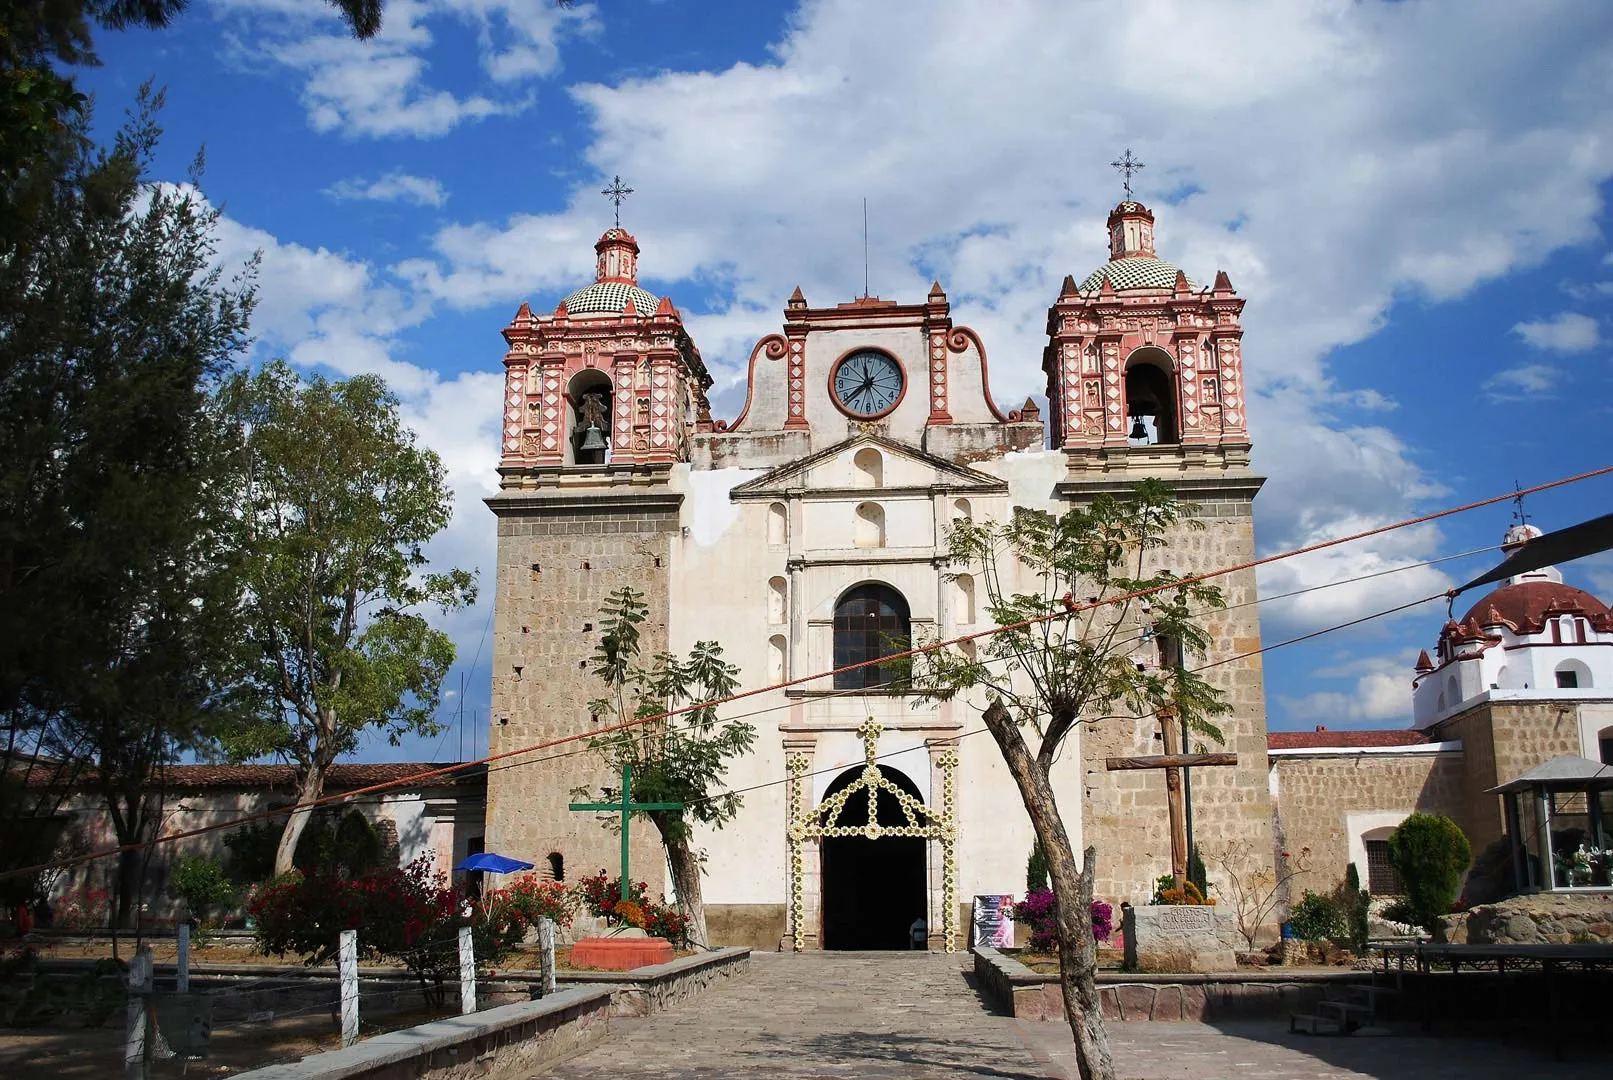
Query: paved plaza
[(846, 1015)]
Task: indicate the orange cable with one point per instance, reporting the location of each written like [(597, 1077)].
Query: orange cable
[(1070, 608)]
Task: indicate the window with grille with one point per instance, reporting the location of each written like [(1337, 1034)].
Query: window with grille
[(1382, 880), (870, 621)]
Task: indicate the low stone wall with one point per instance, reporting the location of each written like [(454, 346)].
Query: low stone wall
[(1016, 990), (1536, 919), (509, 1041), (650, 989)]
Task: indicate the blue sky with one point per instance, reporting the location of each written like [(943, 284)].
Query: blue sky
[(1413, 197)]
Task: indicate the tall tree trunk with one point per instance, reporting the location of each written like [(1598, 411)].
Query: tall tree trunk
[(684, 863), (313, 786), (1072, 888)]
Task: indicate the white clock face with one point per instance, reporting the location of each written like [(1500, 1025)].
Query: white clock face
[(867, 383)]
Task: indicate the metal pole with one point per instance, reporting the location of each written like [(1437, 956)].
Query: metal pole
[(182, 978), (467, 972), (134, 1044), (622, 890), (347, 956)]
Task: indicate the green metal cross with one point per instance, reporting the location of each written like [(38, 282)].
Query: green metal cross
[(626, 808)]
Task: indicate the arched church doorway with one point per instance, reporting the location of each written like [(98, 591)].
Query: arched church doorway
[(873, 890)]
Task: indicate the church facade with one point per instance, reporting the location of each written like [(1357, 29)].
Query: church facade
[(808, 531)]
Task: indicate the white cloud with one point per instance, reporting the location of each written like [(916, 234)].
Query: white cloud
[(1344, 157), (1524, 381), (393, 187), (1567, 331), (1381, 697), (382, 87)]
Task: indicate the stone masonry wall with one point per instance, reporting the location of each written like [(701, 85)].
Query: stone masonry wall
[(1316, 793), (558, 557), (1501, 741), (1126, 812)]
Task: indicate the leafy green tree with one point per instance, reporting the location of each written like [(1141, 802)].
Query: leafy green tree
[(118, 583), (1074, 666), (202, 884), (1431, 853), (336, 502), (678, 760), (1035, 869)]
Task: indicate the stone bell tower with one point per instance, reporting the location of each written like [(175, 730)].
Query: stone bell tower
[(601, 397), (1145, 379)]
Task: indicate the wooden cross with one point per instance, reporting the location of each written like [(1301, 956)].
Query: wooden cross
[(626, 808), (1173, 762)]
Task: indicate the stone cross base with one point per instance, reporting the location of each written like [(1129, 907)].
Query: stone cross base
[(1181, 938)]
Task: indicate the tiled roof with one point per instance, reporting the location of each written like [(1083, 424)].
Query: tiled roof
[(1135, 272), (1307, 740), (343, 776), (610, 297)]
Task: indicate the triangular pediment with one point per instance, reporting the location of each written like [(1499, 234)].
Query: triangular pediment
[(906, 470)]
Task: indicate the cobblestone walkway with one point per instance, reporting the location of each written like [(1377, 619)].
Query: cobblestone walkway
[(821, 1015), (914, 1015)]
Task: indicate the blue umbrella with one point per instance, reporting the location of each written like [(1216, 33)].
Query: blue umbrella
[(493, 863)]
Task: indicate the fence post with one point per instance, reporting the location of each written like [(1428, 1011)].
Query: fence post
[(347, 958), (134, 1046), (467, 972), (546, 946), (182, 979)]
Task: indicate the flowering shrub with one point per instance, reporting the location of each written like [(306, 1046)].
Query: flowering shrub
[(409, 915), (666, 922), (1166, 891), (1040, 911), (628, 913), (82, 909), (600, 894)]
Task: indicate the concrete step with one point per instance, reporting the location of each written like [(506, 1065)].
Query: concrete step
[(1311, 1024), (1344, 1008)]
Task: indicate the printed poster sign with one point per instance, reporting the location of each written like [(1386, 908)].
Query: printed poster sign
[(994, 921)]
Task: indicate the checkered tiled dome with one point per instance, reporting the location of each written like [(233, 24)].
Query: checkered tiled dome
[(1135, 272), (610, 297)]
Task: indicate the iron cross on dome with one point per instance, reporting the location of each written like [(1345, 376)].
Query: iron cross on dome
[(1126, 166), (616, 193)]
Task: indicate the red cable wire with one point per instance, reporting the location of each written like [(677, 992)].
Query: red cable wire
[(1071, 608)]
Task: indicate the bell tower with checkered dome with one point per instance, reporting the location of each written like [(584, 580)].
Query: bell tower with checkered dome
[(1144, 373), (601, 399)]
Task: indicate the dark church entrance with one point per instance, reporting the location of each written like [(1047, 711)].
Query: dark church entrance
[(873, 890)]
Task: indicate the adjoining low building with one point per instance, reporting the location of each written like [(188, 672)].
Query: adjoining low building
[(440, 818), (1523, 678)]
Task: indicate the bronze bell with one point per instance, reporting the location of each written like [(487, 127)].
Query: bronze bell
[(1137, 429), (593, 439)]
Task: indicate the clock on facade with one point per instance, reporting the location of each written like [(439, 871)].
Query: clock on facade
[(867, 383)]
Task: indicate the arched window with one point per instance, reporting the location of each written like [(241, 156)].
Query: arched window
[(1573, 675), (870, 466), (557, 866), (870, 621), (1604, 743), (1151, 397), (961, 510), (778, 669), (778, 525), (588, 418), (1452, 691), (963, 599), (870, 525), (778, 600)]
